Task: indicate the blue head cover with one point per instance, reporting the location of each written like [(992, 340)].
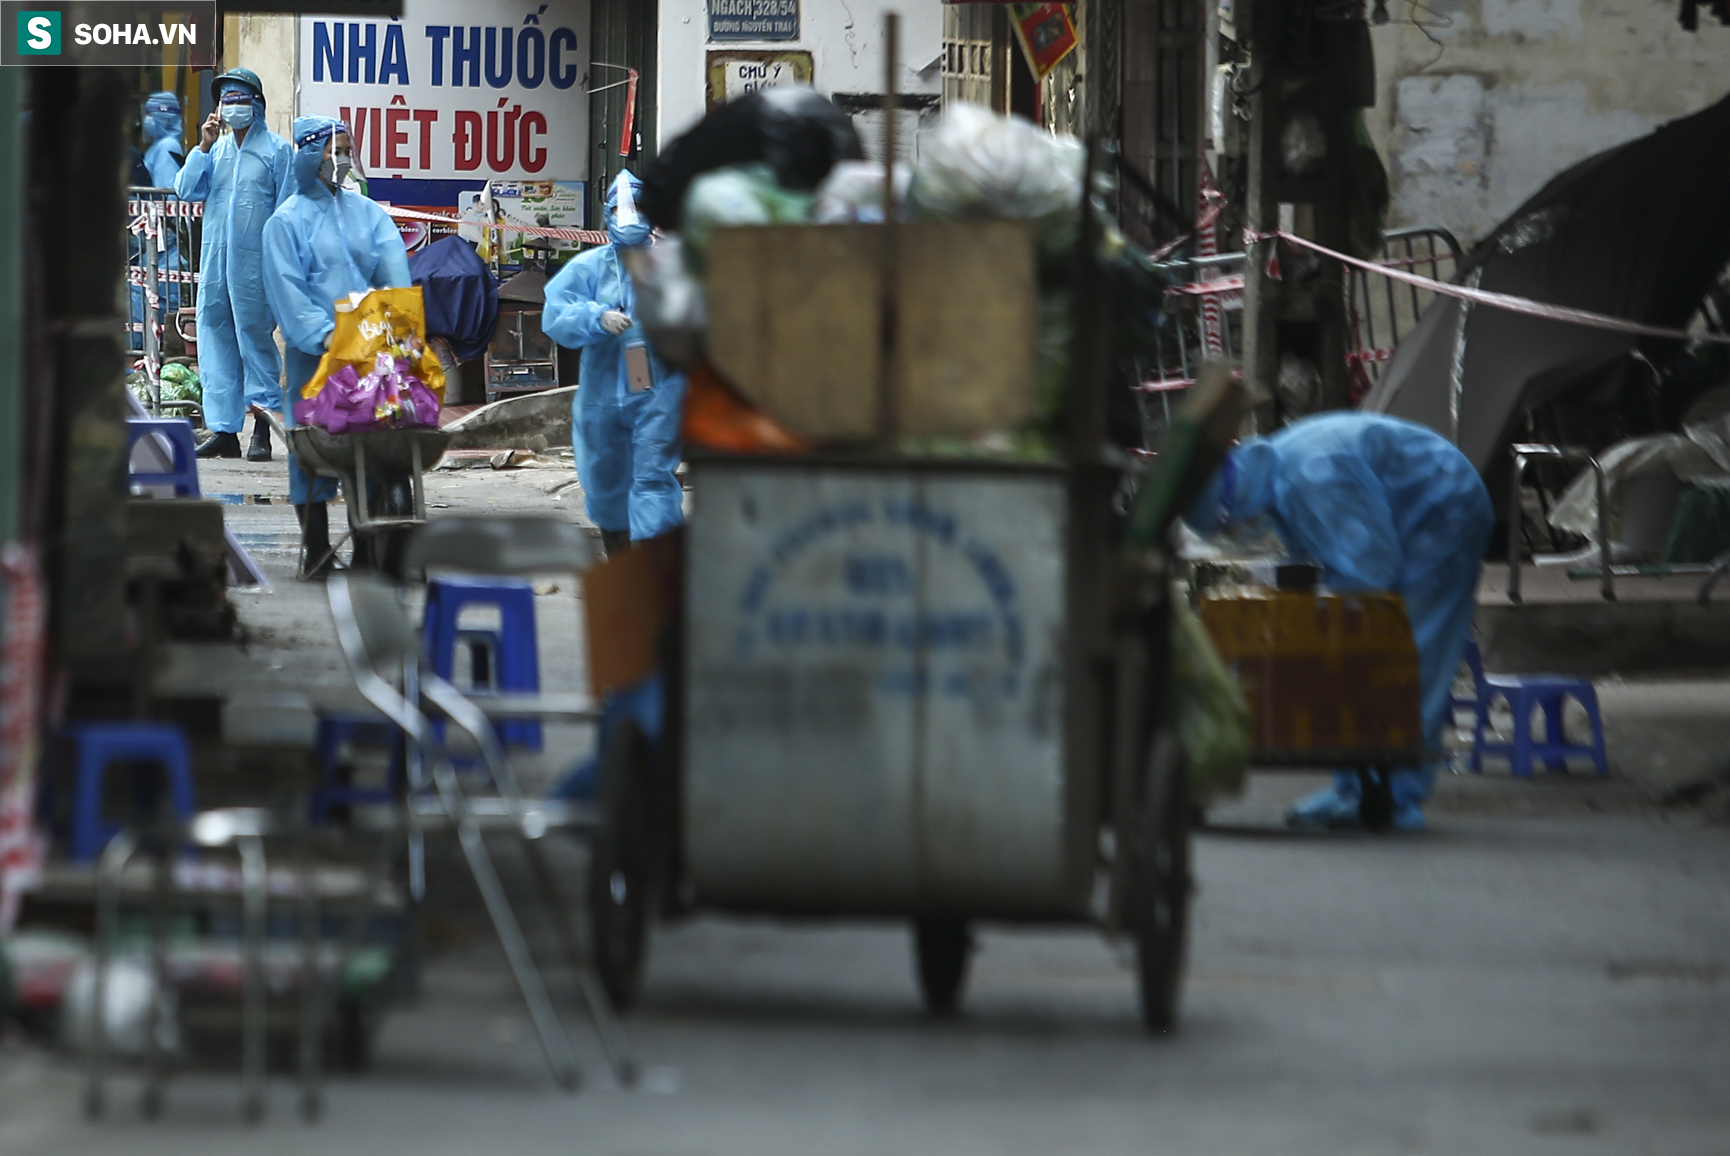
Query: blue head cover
[(625, 224), (241, 80), (161, 116), (310, 136), (1238, 491)]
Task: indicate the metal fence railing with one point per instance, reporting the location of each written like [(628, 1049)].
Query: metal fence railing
[(1205, 315), (1381, 315), (163, 240)]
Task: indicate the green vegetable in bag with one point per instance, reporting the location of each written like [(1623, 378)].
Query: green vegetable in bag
[(1213, 720), (743, 195)]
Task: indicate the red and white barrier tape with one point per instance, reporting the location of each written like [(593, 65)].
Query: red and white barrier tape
[(581, 236), (1164, 385), (141, 209), (166, 208), (1361, 356), (135, 275), (1212, 203), (1222, 285), (1506, 301), (21, 658)]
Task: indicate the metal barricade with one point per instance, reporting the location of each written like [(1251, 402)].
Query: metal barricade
[(1183, 340), (164, 237), (1382, 315), (1198, 318)]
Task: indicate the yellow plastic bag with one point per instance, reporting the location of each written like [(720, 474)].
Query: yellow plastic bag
[(381, 321)]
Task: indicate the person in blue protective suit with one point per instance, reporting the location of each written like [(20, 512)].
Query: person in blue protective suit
[(241, 177), (1380, 504), (158, 167), (324, 243), (629, 404), (162, 128)]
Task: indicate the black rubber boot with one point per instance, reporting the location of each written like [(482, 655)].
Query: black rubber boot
[(614, 541), (259, 450), (316, 558), (220, 445)]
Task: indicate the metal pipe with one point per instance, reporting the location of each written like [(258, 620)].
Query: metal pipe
[(534, 992), (252, 1023), (311, 992), (1516, 527), (1608, 581), (1524, 453), (155, 1073), (108, 868)]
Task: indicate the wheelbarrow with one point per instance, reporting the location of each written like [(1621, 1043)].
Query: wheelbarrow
[(380, 472)]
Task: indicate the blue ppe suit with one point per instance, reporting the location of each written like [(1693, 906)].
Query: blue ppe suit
[(162, 128), (319, 247), (1380, 504), (240, 185), (162, 160), (627, 443)]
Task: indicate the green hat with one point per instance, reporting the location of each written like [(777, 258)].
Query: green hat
[(239, 76)]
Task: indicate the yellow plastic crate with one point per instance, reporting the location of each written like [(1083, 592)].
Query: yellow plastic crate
[(1323, 673)]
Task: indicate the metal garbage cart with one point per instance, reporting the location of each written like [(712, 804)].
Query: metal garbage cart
[(907, 686)]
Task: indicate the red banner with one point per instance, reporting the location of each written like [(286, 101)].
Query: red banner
[(1046, 34)]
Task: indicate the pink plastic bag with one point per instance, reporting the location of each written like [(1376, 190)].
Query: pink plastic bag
[(389, 397)]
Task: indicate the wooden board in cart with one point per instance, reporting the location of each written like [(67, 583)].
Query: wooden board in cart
[(796, 324), (1322, 672)]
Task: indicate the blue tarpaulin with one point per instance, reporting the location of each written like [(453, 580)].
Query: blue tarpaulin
[(462, 296)]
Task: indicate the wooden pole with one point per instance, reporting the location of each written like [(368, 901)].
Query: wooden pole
[(887, 403)]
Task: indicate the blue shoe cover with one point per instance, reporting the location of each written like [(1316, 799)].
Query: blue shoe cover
[(1408, 817), (1329, 809)]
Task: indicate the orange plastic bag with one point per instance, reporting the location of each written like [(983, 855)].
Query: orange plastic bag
[(389, 321), (717, 418)]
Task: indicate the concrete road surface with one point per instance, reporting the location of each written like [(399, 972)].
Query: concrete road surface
[(1544, 983), (1547, 970)]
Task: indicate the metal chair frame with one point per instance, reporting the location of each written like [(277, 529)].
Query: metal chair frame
[(382, 647), (246, 831)]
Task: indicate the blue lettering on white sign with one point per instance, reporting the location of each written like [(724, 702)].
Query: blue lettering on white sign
[(869, 600), (351, 53)]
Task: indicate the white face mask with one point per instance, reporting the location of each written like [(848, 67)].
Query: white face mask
[(237, 116)]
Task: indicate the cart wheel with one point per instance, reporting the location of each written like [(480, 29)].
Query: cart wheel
[(941, 948), (1158, 885), (1375, 800), (619, 866)]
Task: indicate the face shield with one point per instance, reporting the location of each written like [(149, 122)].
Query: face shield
[(161, 116), (625, 225), (239, 107)]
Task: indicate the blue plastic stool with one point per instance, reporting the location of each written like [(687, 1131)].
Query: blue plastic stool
[(1523, 693), (100, 746), (178, 433), (333, 732), (513, 661)]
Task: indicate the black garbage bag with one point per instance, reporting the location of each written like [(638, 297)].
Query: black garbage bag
[(462, 296), (797, 132)]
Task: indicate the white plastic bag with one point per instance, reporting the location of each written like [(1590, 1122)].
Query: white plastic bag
[(977, 164), (126, 1009), (852, 193)]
